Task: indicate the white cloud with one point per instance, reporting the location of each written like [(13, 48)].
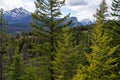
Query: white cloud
[(76, 2), (84, 8), (11, 4)]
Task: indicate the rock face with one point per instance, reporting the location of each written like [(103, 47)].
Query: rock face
[(87, 21), (75, 22), (18, 20), (17, 16)]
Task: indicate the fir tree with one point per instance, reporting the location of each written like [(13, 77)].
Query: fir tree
[(46, 20), (39, 54), (101, 60), (65, 62), (113, 29), (47, 23), (16, 71), (3, 42), (116, 9), (31, 73), (101, 12)]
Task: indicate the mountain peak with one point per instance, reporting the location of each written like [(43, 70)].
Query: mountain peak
[(17, 15), (21, 8), (87, 21), (19, 11)]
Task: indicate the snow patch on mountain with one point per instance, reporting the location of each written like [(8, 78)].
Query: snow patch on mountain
[(87, 21), (22, 16), (17, 16)]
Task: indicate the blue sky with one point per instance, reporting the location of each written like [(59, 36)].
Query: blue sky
[(82, 9)]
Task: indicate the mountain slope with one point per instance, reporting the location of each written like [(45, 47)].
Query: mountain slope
[(18, 20), (17, 16)]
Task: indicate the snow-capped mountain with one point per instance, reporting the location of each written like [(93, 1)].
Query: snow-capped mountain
[(75, 22), (19, 19), (22, 16), (17, 16), (83, 22), (87, 21)]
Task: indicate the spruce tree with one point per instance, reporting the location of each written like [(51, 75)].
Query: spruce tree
[(82, 41), (101, 60), (1, 44), (47, 19), (47, 23), (116, 9), (113, 25), (101, 12), (31, 73), (3, 41), (38, 57), (16, 71), (65, 62), (113, 29)]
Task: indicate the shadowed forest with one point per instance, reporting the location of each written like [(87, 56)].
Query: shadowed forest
[(53, 51)]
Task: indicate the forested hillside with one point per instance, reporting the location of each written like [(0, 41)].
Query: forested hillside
[(54, 51)]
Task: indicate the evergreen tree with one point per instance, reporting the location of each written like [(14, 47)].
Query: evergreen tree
[(8, 59), (1, 44), (101, 60), (113, 29), (101, 12), (16, 71), (45, 18), (65, 62), (31, 73), (82, 41), (39, 54), (116, 9), (3, 41), (47, 23), (37, 68), (101, 63), (113, 25)]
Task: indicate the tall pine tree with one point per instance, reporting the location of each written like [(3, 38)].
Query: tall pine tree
[(116, 9), (1, 44), (3, 41), (47, 22), (16, 67), (101, 61), (101, 12), (31, 73), (66, 60)]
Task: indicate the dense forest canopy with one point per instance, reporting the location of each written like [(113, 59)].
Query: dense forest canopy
[(54, 51)]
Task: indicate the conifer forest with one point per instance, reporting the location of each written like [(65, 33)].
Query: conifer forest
[(51, 50)]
